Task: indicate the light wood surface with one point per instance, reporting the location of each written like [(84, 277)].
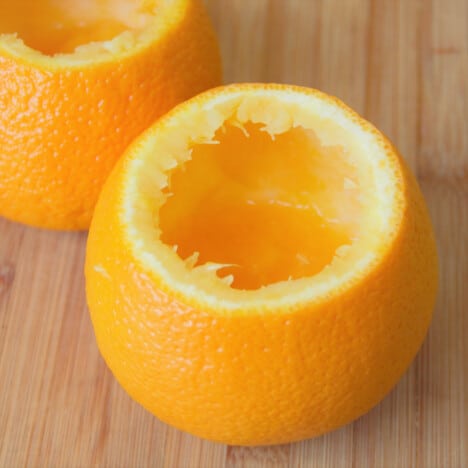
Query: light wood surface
[(403, 64)]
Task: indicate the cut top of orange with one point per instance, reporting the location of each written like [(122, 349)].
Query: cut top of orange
[(260, 198), (69, 33)]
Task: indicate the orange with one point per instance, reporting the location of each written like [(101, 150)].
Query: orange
[(88, 78), (261, 267)]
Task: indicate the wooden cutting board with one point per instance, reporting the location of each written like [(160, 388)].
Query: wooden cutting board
[(403, 64)]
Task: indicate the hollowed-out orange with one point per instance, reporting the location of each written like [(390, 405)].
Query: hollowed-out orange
[(79, 80), (261, 267)]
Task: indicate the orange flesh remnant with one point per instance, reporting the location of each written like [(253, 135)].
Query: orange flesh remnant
[(268, 207)]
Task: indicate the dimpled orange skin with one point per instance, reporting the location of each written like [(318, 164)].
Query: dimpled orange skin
[(63, 129), (261, 378)]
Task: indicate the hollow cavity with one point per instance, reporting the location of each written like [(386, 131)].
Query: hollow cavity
[(60, 26), (268, 208)]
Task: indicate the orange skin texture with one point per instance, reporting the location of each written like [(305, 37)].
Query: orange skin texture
[(261, 378), (62, 130)]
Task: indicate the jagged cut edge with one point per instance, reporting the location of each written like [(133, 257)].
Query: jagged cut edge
[(146, 192), (158, 21)]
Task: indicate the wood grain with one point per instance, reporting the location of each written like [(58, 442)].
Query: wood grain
[(403, 64)]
